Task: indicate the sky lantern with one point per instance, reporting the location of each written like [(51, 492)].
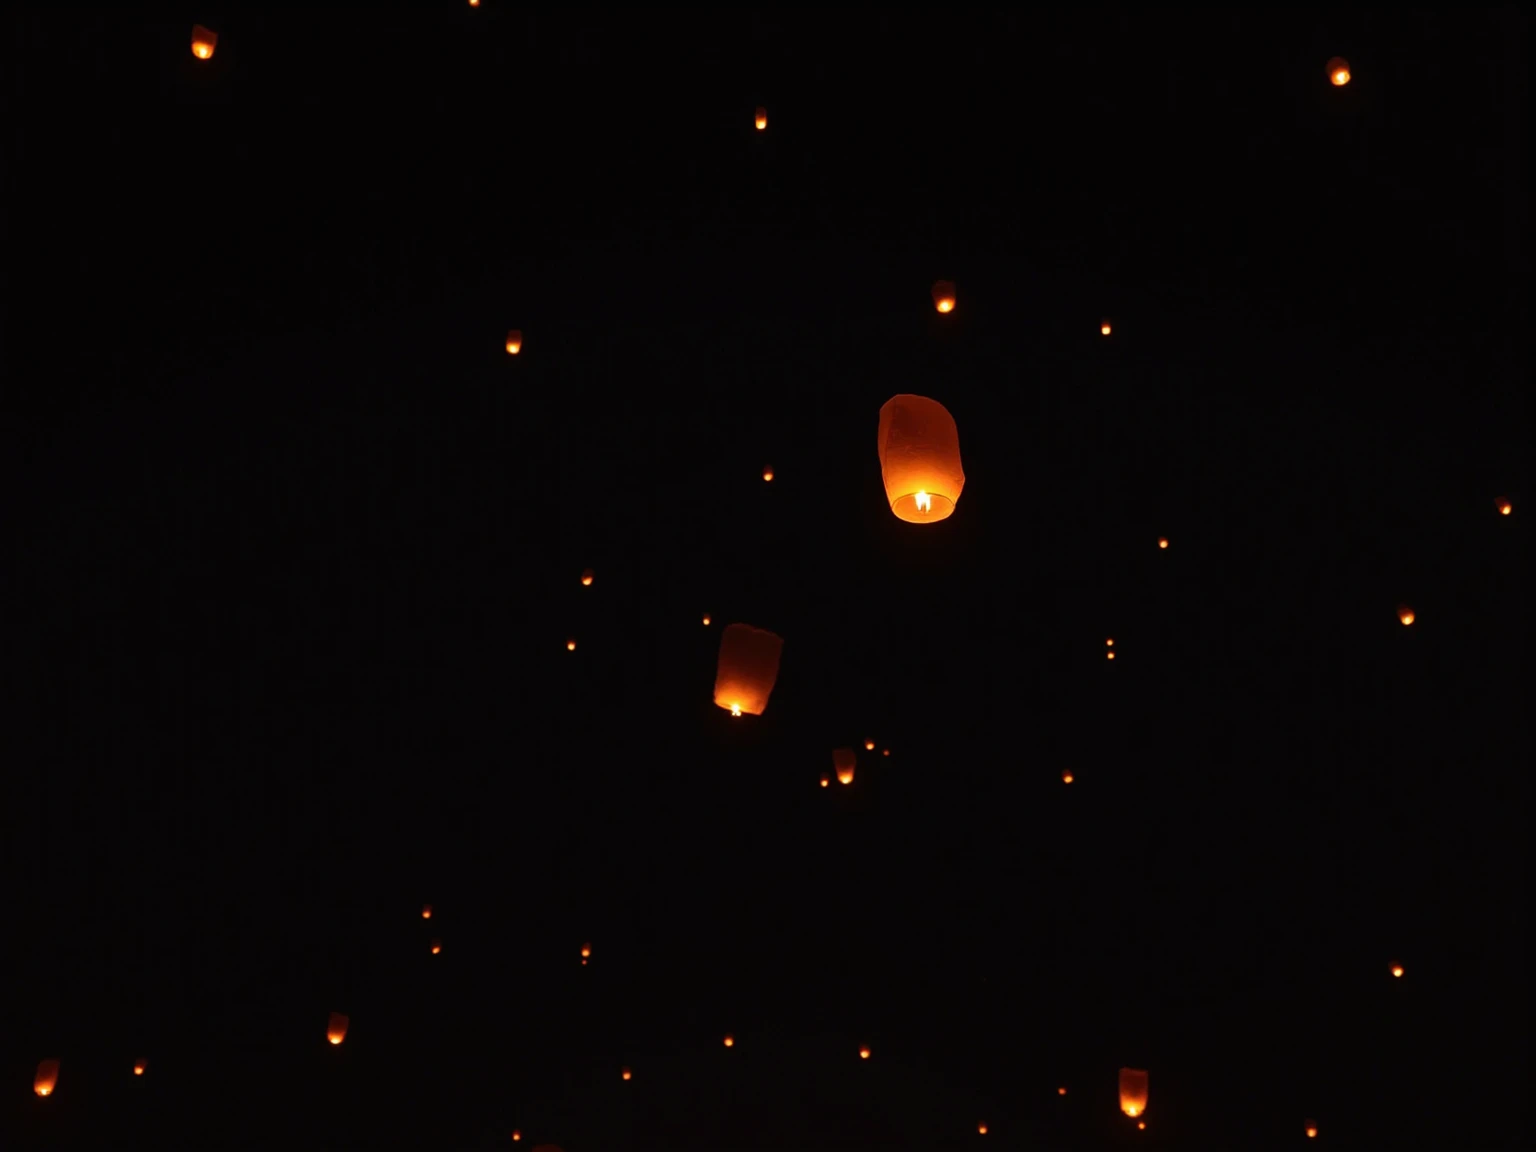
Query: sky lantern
[(944, 295), (885, 751), (747, 668), (1397, 971), (1062, 1091), (139, 1066), (203, 42), (1105, 328), (586, 578), (426, 911), (1133, 1092), (767, 472), (706, 619), (336, 1030), (981, 1128), (843, 761), (1311, 1130), (437, 946), (514, 341), (1066, 776), (516, 1135), (47, 1078), (1405, 614), (586, 950), (919, 459), (730, 1041), (825, 780), (625, 1074), (869, 745), (864, 1052), (570, 645), (1338, 71), (1504, 507), (761, 119), (1162, 541)]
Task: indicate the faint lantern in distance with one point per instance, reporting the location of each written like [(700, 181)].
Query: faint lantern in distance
[(1338, 71), (761, 119), (1133, 1092), (336, 1029), (843, 761), (944, 296), (47, 1078), (204, 41)]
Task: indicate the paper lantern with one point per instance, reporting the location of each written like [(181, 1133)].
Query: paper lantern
[(1504, 507), (203, 42), (1162, 541), (586, 950), (437, 946), (730, 1041), (919, 459), (944, 296), (843, 761), (47, 1078), (138, 1067), (625, 1074), (1066, 777), (768, 472), (1338, 71), (476, 4), (761, 119), (981, 1128), (586, 578), (514, 341), (1062, 1091), (426, 911), (869, 745), (1105, 328), (1405, 614), (1133, 1092), (864, 1053), (825, 780), (570, 645), (336, 1030), (1397, 970), (747, 668), (706, 619), (1311, 1130), (516, 1135)]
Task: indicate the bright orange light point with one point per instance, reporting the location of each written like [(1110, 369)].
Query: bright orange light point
[(767, 473), (730, 1041), (1340, 77), (516, 1135), (570, 645), (1141, 1125), (706, 621), (1162, 541), (1104, 328), (863, 1053), (1405, 615), (825, 781), (586, 578), (1066, 777), (1311, 1131), (586, 950), (761, 119), (426, 911), (1397, 970), (1110, 655), (1062, 1091), (436, 947), (138, 1069), (869, 745), (626, 1073), (1505, 508), (982, 1128)]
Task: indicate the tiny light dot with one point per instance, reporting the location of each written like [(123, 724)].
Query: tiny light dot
[(825, 781), (1505, 508), (586, 578), (1110, 655), (1062, 1091), (885, 751), (1109, 643), (863, 1053), (516, 1135), (1311, 1131), (426, 911), (1141, 1125), (138, 1069), (1405, 614), (436, 947), (586, 950), (869, 745), (626, 1073), (706, 621)]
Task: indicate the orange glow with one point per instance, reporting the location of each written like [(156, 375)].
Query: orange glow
[(730, 1041), (919, 459), (1062, 1091), (843, 761), (747, 668), (1162, 541), (570, 645), (982, 1128), (1338, 71), (625, 1073), (1141, 1125), (336, 1030), (1405, 614), (514, 341), (1105, 329), (768, 472), (586, 950), (869, 745), (1397, 970), (944, 295), (885, 751), (1505, 507), (1133, 1092), (1109, 643), (864, 1053), (138, 1067), (426, 911), (203, 42), (516, 1135), (825, 780), (761, 119), (706, 620), (1066, 777), (47, 1078), (1110, 655), (476, 4), (1311, 1131), (586, 578), (437, 946)]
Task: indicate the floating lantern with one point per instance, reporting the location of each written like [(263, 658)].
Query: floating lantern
[(1141, 1125), (1162, 541), (1311, 1130), (138, 1067), (825, 779), (476, 4), (761, 119), (1405, 614), (1133, 1092), (586, 950), (768, 472), (570, 645), (625, 1074), (586, 578), (1062, 1091), (1066, 777), (843, 761), (47, 1078), (1105, 328), (706, 619), (437, 946), (864, 1053), (869, 745), (944, 295), (204, 42), (747, 668), (516, 1135), (1504, 507), (1338, 71), (730, 1041), (981, 1128), (336, 1030), (919, 459), (514, 341), (1397, 970), (426, 911), (885, 751)]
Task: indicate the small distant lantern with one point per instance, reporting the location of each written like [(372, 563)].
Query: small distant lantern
[(761, 119), (869, 745), (944, 295), (1311, 1130), (843, 761), (1141, 1125), (336, 1030), (516, 1135), (919, 459), (1504, 507), (47, 1078), (1105, 328), (586, 950), (885, 751), (138, 1067), (437, 946), (825, 780), (768, 472), (204, 41), (1397, 971), (426, 911), (1062, 1091), (1133, 1092), (706, 619), (747, 668), (1405, 614), (1066, 776), (514, 341), (625, 1074), (864, 1052), (570, 645), (586, 578), (981, 1128), (730, 1041), (1338, 71), (1162, 541), (476, 4)]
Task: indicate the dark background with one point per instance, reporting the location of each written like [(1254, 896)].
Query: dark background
[(293, 549)]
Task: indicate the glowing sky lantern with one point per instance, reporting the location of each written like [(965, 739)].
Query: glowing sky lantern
[(47, 1078), (1405, 614), (1162, 541), (730, 1041), (1133, 1092), (204, 41), (864, 1052), (437, 946), (426, 911), (747, 669), (944, 296), (1311, 1130), (1338, 71), (1504, 507), (139, 1066), (768, 472), (843, 761), (626, 1074), (514, 341), (761, 119), (1105, 327), (919, 459), (336, 1029)]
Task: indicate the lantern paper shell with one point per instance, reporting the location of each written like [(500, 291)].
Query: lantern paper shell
[(920, 459), (761, 119), (747, 669), (336, 1030), (843, 760), (47, 1078), (1133, 1092), (204, 42)]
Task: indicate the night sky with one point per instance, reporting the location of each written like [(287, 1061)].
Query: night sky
[(294, 551)]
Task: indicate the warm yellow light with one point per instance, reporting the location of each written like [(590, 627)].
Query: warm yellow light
[(1405, 614), (869, 745), (706, 621), (138, 1067), (1133, 1111), (1162, 541), (436, 947), (1505, 508), (1141, 1125), (570, 645), (1066, 777), (864, 1053), (885, 751), (204, 42), (516, 1135), (923, 502), (944, 296), (825, 781), (1062, 1091), (1104, 328), (1110, 643), (761, 119), (735, 709), (586, 578), (767, 473), (426, 911), (1311, 1131), (625, 1073), (1109, 655), (476, 4), (1397, 970), (514, 342), (1133, 1092), (336, 1028), (586, 950), (730, 1041)]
